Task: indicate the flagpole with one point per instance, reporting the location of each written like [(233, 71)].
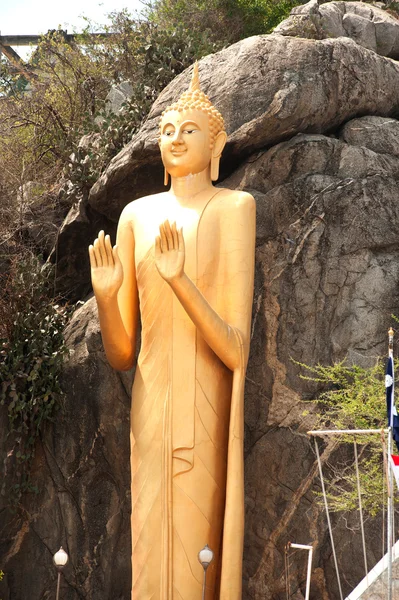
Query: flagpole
[(390, 355), (390, 486), (389, 516)]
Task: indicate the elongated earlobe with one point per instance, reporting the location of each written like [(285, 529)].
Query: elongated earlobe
[(217, 150), (215, 160), (166, 177)]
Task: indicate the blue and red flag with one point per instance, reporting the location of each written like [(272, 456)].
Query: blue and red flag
[(393, 418)]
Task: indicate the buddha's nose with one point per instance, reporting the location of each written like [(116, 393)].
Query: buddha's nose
[(177, 138)]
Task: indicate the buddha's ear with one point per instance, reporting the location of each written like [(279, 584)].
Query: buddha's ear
[(219, 144)]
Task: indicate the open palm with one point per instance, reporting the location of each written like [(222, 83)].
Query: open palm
[(169, 251), (106, 267)]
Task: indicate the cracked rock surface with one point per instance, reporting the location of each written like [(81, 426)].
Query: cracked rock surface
[(268, 88), (316, 141), (82, 472), (366, 24)]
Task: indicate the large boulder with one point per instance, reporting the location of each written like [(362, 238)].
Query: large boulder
[(268, 89), (70, 253), (368, 25), (326, 286), (294, 86), (82, 473), (376, 133)]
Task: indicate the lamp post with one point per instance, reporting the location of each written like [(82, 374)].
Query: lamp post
[(310, 556), (60, 559), (205, 556)]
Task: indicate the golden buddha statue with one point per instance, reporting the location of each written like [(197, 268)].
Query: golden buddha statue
[(184, 259)]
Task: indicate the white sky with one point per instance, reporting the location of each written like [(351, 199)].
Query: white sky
[(24, 17)]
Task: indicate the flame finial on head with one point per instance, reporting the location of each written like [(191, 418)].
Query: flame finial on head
[(194, 98), (195, 84)]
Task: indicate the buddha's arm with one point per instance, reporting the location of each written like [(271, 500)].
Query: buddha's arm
[(221, 333), (115, 288)]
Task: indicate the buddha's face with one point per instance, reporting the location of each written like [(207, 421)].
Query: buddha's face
[(185, 142)]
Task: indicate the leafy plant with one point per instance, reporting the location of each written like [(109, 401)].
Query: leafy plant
[(32, 353), (224, 21), (353, 398), (42, 121), (159, 55)]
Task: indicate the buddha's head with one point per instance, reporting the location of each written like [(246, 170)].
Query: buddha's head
[(192, 135)]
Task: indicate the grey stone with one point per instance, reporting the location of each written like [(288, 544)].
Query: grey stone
[(361, 30), (368, 25), (376, 133), (293, 85), (378, 589), (70, 252), (82, 472), (118, 95)]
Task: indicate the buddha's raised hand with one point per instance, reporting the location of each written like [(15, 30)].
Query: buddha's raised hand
[(169, 251), (106, 267)]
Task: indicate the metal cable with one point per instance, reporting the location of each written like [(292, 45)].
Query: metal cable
[(361, 511), (328, 518), (287, 573)]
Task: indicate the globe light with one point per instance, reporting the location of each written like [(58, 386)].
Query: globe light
[(205, 556), (60, 558)]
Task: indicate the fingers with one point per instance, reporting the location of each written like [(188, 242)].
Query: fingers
[(158, 248), (115, 255), (175, 236), (181, 239), (108, 249), (101, 254), (164, 242), (96, 247), (169, 235), (93, 261)]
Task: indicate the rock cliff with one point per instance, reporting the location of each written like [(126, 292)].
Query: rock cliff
[(314, 136)]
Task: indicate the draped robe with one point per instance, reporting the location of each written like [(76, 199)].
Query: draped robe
[(186, 428)]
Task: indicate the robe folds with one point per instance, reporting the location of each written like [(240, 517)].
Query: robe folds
[(186, 432)]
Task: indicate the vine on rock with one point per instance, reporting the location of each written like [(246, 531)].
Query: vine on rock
[(32, 350)]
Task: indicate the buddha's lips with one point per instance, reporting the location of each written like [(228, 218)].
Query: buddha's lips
[(178, 152)]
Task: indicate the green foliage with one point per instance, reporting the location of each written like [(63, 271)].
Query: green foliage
[(44, 115), (42, 122), (262, 16), (32, 353), (224, 21), (159, 55), (353, 398), (342, 492), (393, 9)]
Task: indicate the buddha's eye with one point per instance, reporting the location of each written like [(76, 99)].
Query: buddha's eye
[(189, 130), (168, 133)]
